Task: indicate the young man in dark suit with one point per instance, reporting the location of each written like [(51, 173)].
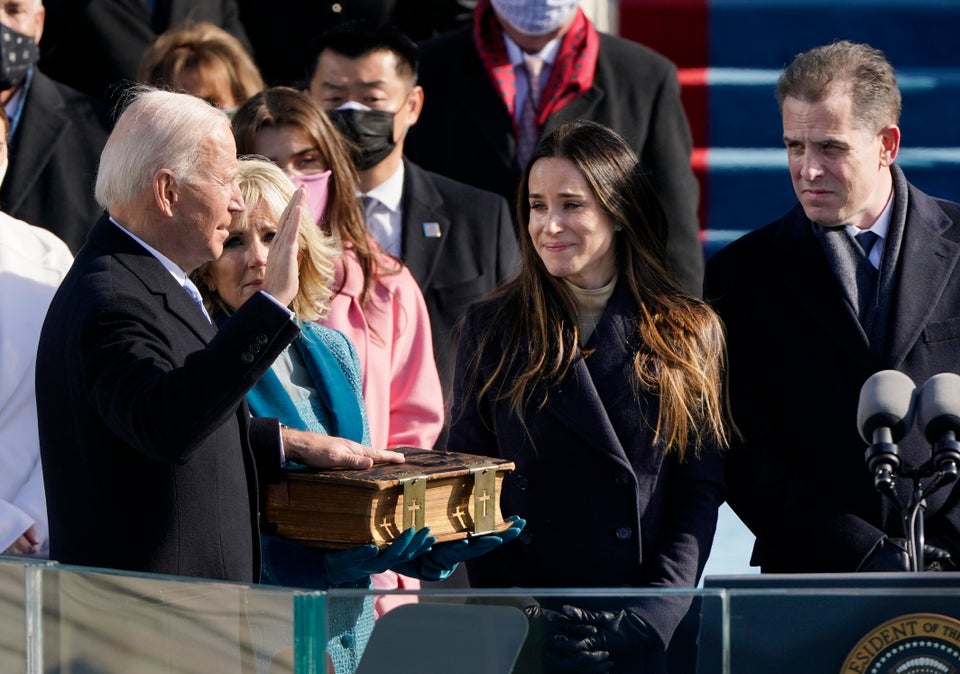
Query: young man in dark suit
[(151, 461), (812, 312), (458, 241), (474, 129)]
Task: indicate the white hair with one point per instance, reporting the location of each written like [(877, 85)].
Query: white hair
[(158, 129)]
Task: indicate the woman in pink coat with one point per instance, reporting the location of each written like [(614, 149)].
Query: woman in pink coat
[(393, 340), (377, 302)]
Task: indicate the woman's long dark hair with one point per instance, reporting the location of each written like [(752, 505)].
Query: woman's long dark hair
[(681, 354)]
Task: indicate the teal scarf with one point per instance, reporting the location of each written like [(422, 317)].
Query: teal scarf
[(268, 398)]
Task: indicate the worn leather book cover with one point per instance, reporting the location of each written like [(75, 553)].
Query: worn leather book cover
[(456, 495)]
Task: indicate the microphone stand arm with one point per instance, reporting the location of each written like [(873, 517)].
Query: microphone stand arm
[(942, 468)]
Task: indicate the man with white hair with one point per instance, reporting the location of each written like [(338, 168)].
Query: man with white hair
[(150, 458), (56, 133)]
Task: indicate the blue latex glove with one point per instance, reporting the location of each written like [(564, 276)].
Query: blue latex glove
[(348, 566), (442, 560), (595, 641)]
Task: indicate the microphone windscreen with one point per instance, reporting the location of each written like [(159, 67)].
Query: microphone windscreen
[(939, 406), (886, 401)]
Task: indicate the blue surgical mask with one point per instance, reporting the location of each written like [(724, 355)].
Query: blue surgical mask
[(535, 17)]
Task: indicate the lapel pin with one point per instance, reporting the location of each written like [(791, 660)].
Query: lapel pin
[(431, 230)]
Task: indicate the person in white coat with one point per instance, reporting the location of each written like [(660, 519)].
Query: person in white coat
[(33, 261)]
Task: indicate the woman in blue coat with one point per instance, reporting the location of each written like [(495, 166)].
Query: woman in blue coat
[(601, 379)]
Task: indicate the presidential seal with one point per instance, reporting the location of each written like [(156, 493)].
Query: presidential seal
[(917, 643)]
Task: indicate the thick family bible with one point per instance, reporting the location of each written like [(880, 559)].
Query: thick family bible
[(456, 495)]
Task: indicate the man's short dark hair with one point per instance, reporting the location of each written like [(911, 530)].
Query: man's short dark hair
[(355, 39)]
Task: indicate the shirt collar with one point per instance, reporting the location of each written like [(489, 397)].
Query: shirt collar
[(390, 191), (882, 224), (548, 54), (168, 264)]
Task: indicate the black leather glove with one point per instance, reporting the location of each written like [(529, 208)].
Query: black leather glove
[(937, 557), (548, 629), (891, 554), (596, 640)]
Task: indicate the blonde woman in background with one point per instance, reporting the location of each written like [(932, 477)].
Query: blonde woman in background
[(204, 60)]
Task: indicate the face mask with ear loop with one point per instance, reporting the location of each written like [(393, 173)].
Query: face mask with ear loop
[(370, 130), (535, 17), (318, 188), (18, 53)]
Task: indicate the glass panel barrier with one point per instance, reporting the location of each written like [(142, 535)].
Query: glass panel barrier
[(56, 618), (474, 631), (102, 621), (13, 641)]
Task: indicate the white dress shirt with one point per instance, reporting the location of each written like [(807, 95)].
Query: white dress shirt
[(879, 228), (383, 217)]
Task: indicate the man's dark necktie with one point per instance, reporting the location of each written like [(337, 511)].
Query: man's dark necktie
[(867, 240), (869, 276)]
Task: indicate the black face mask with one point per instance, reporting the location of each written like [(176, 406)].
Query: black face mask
[(18, 53), (371, 130)]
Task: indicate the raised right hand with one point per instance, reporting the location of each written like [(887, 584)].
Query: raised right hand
[(281, 279)]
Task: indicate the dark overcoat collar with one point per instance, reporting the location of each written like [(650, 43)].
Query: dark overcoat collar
[(925, 264), (598, 385), (158, 281), (927, 261)]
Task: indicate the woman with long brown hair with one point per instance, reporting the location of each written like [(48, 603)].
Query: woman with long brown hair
[(601, 379)]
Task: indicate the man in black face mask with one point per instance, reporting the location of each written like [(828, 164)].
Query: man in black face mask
[(56, 134), (458, 241)]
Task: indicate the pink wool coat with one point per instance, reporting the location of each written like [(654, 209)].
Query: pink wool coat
[(401, 386)]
